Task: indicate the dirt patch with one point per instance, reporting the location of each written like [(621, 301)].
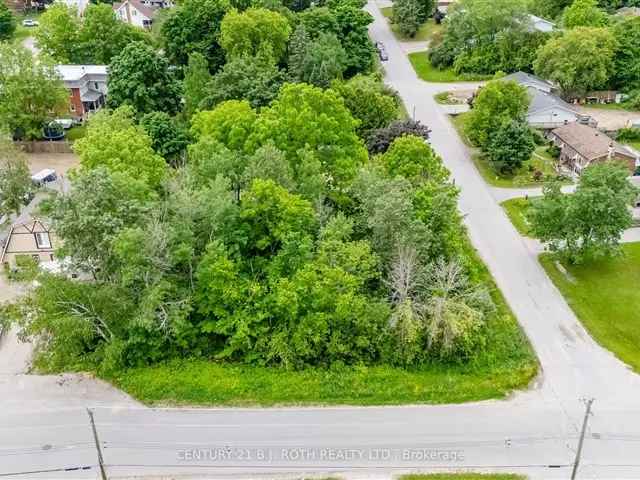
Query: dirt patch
[(609, 119), (60, 162)]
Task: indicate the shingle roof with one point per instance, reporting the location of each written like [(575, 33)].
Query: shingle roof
[(542, 100), (524, 78), (588, 142)]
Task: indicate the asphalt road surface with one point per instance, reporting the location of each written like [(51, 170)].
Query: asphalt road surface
[(534, 433)]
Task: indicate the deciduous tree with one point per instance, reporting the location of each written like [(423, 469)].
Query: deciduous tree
[(510, 146), (584, 13), (141, 78), (15, 179), (58, 32), (7, 22)]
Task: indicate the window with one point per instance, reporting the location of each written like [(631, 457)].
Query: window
[(95, 84), (42, 240), (73, 107)]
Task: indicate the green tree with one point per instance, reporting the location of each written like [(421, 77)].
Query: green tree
[(298, 45), (57, 35), (414, 159), (578, 61), (140, 77), (369, 101), (15, 179), (168, 137), (101, 203), (626, 67), (408, 16), (230, 123), (498, 102), (114, 141), (473, 29), (257, 80), (510, 146), (196, 83), (254, 31), (7, 23), (102, 36), (549, 8), (353, 33), (324, 61), (317, 20), (270, 215), (588, 223), (584, 13), (309, 118), (194, 26), (31, 94)]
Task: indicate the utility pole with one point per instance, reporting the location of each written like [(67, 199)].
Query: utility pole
[(103, 474), (576, 463)]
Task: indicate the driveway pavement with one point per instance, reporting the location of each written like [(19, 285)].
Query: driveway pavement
[(534, 432)]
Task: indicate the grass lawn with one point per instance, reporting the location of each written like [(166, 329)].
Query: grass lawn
[(605, 297), (524, 177), (76, 133), (463, 476), (426, 32), (429, 73), (23, 32), (506, 363), (516, 209)]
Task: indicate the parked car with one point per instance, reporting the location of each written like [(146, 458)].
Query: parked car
[(29, 22), (382, 52), (44, 176)]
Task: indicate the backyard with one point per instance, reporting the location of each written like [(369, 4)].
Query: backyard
[(525, 176), (605, 297)]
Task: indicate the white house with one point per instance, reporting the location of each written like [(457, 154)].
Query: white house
[(548, 111), (87, 85), (139, 13)]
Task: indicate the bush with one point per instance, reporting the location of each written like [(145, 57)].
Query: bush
[(628, 135)]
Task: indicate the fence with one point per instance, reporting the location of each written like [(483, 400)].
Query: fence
[(45, 147)]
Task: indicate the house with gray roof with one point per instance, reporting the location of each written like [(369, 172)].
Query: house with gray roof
[(581, 146), (548, 111), (529, 80)]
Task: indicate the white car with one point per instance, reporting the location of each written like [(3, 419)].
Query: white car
[(65, 123), (44, 176), (28, 22)]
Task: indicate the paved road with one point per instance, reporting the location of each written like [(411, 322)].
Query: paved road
[(534, 432)]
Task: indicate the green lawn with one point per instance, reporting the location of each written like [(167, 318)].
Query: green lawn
[(506, 363), (463, 476), (611, 106), (23, 32), (516, 210), (605, 296), (76, 133), (429, 73), (443, 98), (426, 32), (524, 177)]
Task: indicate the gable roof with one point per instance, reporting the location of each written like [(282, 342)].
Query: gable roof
[(23, 228), (588, 142), (542, 24), (524, 78), (146, 10), (542, 101)]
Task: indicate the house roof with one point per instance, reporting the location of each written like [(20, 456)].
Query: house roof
[(524, 78), (588, 142), (28, 227), (73, 73), (148, 11), (542, 101)]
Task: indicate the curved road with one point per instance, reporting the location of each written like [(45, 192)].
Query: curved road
[(533, 433)]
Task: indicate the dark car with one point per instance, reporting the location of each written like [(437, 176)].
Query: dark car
[(383, 54)]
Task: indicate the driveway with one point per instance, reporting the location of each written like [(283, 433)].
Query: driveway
[(533, 433), (60, 162), (609, 119)]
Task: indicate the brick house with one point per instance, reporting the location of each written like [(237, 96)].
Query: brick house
[(87, 85), (581, 146)]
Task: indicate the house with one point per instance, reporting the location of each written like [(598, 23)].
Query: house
[(31, 239), (598, 96), (87, 85), (139, 13), (548, 111), (528, 80), (581, 146)]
